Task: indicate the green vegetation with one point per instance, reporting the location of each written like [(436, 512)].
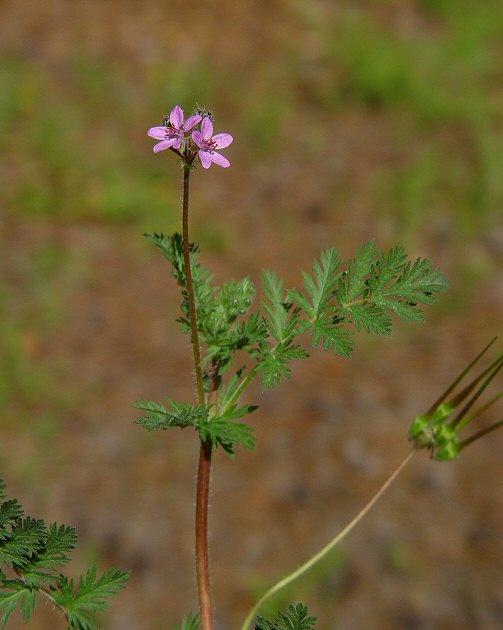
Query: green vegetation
[(32, 554)]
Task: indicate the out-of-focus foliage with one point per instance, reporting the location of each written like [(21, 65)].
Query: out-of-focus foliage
[(34, 554)]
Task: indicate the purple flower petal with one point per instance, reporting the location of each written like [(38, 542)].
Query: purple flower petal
[(219, 159), (192, 122), (165, 144), (222, 140), (159, 133), (176, 117), (177, 143), (197, 136), (205, 158), (207, 128)]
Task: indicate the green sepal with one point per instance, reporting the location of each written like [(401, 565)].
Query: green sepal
[(449, 451), (424, 429)]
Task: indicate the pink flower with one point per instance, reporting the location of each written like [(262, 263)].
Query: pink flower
[(173, 134), (206, 144)]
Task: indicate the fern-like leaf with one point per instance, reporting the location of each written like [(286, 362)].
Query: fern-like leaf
[(332, 336), (273, 364), (353, 283), (320, 286), (90, 596), (295, 618), (26, 537), (220, 431), (179, 415), (18, 595), (59, 542)]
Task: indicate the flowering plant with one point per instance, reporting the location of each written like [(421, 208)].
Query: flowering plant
[(337, 301)]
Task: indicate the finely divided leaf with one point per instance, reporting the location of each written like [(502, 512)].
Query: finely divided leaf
[(26, 537), (353, 283), (10, 512), (372, 318), (419, 282), (172, 249), (273, 365), (277, 312), (19, 595), (227, 434), (90, 596), (372, 290), (333, 336), (60, 541), (322, 284), (35, 552), (179, 415), (295, 618)]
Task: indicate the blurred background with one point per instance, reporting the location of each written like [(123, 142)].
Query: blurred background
[(351, 120)]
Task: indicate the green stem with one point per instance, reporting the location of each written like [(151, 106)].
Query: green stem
[(478, 412), (239, 390), (245, 383), (460, 377), (323, 552), (47, 595), (481, 433), (204, 467)]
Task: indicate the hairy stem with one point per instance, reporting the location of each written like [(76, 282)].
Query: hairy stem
[(204, 468), (202, 560), (47, 596), (243, 385), (323, 552), (194, 336)]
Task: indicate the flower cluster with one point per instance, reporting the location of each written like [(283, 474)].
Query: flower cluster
[(191, 138)]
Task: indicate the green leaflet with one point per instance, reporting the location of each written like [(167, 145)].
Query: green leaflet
[(59, 542), (353, 283), (37, 553), (190, 622), (26, 536), (273, 365), (227, 434), (378, 285), (332, 336), (180, 415), (295, 618), (89, 596), (220, 430), (17, 595)]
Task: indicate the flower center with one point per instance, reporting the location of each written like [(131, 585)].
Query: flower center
[(209, 145)]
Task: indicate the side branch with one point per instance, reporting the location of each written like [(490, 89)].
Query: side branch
[(323, 552)]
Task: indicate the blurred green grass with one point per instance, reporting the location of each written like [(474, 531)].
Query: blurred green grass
[(75, 135)]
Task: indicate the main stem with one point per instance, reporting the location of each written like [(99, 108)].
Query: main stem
[(203, 473), (323, 552)]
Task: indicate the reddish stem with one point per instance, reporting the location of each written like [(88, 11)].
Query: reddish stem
[(202, 560), (203, 475)]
